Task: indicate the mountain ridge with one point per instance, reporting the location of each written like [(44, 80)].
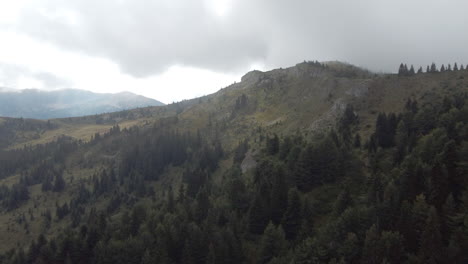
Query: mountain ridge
[(287, 136), (34, 103)]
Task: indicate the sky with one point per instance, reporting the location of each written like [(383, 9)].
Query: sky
[(172, 50)]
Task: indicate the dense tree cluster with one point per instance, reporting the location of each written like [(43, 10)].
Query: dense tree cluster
[(403, 70), (399, 196)]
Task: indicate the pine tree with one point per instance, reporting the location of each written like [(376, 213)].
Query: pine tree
[(449, 67), (272, 244), (357, 141), (279, 196), (401, 70), (442, 68), (59, 184), (433, 68), (411, 71), (273, 145), (420, 70), (343, 201), (462, 68), (292, 217), (431, 249), (439, 185), (372, 253), (392, 244), (258, 215), (455, 67)]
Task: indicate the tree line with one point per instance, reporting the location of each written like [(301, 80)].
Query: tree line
[(404, 70)]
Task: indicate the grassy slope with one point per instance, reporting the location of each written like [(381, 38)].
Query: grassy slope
[(281, 101)]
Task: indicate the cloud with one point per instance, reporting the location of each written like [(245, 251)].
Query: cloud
[(146, 37), (101, 45), (21, 77)]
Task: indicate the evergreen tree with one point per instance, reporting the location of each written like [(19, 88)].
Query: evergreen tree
[(455, 67), (411, 71), (258, 215), (431, 249), (273, 145), (292, 217), (343, 201), (279, 196), (420, 70), (442, 68), (59, 184), (372, 251), (357, 141), (272, 244), (401, 70)]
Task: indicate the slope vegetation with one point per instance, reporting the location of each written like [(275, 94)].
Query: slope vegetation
[(317, 163)]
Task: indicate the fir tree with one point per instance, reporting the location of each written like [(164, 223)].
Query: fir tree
[(292, 217), (272, 244), (431, 249), (411, 71)]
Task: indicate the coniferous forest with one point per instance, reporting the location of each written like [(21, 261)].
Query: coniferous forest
[(395, 194)]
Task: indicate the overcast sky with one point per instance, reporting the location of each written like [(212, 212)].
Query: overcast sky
[(179, 49)]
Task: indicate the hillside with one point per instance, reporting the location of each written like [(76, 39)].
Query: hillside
[(38, 104), (316, 163)]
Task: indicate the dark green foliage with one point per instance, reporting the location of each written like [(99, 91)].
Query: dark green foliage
[(279, 195), (240, 151), (59, 183), (311, 199), (318, 164), (292, 217), (385, 129), (62, 211), (357, 141), (431, 249), (343, 201), (272, 145), (272, 243), (13, 197), (259, 214)]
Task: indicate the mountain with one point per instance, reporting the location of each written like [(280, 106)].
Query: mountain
[(32, 103), (315, 163)]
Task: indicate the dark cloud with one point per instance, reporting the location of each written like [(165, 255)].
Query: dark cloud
[(146, 37)]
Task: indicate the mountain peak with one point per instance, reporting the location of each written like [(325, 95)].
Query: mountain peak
[(34, 103)]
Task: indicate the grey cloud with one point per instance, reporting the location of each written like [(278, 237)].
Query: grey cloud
[(10, 75), (146, 37)]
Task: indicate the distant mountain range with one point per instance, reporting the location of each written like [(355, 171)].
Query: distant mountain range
[(33, 103)]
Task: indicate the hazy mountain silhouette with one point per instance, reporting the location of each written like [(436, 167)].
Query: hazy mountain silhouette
[(33, 103)]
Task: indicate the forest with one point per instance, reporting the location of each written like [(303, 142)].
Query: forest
[(398, 195)]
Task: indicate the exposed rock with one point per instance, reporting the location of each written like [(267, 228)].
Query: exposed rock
[(249, 161), (328, 119)]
